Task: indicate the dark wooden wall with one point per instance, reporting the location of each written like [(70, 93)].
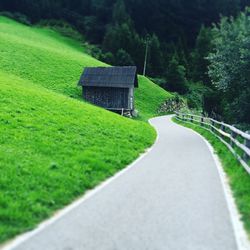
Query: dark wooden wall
[(109, 98)]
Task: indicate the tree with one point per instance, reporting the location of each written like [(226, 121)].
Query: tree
[(122, 58), (229, 66), (122, 40), (92, 29), (122, 24), (120, 14), (155, 58), (176, 77), (200, 62)]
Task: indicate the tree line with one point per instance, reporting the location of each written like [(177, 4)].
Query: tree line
[(120, 27)]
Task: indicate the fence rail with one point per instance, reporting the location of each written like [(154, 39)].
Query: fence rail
[(237, 141)]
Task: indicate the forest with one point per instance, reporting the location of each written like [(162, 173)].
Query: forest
[(199, 48)]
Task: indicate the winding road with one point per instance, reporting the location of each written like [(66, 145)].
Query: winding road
[(171, 199)]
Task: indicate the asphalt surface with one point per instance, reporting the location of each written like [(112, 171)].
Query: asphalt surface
[(171, 199)]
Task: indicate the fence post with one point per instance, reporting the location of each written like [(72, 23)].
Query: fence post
[(247, 144), (202, 120), (192, 118), (223, 128), (212, 123), (233, 135)]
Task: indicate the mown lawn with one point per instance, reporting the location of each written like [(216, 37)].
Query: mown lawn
[(53, 148), (53, 145), (55, 62), (239, 179)]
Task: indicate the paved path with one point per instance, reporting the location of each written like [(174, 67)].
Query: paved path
[(172, 199)]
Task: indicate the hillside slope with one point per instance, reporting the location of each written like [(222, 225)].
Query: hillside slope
[(54, 146), (55, 62)]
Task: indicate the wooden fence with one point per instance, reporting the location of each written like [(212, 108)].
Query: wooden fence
[(237, 141)]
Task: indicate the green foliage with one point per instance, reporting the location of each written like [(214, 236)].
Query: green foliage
[(155, 59), (120, 14), (239, 179), (229, 66), (107, 57), (124, 43), (195, 95), (200, 62), (53, 145), (182, 52), (92, 29), (120, 58), (123, 58), (212, 103), (176, 77), (171, 22)]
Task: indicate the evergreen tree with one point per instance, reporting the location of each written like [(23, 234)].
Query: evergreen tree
[(155, 59), (104, 22), (120, 14), (176, 76), (123, 58), (92, 29), (200, 62), (182, 50)]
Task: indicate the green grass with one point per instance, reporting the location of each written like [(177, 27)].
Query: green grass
[(239, 179), (53, 145), (53, 148), (43, 57), (149, 97), (55, 62)]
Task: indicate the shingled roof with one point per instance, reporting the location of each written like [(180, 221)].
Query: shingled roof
[(119, 77)]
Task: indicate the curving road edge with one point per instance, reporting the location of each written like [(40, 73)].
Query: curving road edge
[(173, 197)]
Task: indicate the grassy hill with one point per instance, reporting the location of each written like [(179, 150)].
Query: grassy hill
[(55, 62), (53, 145)]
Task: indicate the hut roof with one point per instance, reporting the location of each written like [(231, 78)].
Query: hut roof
[(119, 77)]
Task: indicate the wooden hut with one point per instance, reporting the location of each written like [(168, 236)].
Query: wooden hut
[(110, 87)]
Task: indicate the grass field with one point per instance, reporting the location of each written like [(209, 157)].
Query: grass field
[(55, 62), (148, 98), (54, 146), (239, 179)]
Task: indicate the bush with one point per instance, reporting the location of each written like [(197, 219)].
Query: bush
[(107, 58), (122, 58), (195, 95)]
